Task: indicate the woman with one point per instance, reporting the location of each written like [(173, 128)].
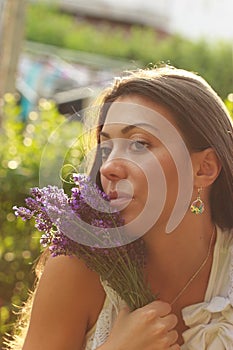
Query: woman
[(189, 259)]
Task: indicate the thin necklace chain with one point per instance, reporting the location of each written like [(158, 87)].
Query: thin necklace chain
[(198, 270)]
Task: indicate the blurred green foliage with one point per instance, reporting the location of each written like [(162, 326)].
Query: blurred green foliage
[(229, 104), (46, 134), (141, 44)]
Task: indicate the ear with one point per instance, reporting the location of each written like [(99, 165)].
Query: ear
[(206, 167)]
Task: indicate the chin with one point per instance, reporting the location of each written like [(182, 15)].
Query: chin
[(133, 228)]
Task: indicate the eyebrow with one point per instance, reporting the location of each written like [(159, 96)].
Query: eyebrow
[(128, 128)]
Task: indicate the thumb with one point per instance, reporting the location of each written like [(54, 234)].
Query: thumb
[(124, 311)]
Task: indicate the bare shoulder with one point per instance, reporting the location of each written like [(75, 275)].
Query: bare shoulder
[(67, 302), (72, 274), (69, 276)]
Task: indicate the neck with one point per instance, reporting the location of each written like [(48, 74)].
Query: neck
[(179, 264), (176, 255)]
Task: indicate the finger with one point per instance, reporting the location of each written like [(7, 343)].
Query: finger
[(163, 327), (172, 337), (170, 321), (174, 347), (124, 310), (162, 308)]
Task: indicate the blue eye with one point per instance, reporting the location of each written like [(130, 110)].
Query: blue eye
[(105, 151), (139, 146)]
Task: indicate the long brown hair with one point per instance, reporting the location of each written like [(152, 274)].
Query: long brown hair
[(200, 115)]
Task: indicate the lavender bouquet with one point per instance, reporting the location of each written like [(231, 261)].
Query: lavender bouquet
[(72, 225)]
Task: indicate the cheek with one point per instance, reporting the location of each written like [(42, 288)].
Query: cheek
[(163, 177), (170, 172), (168, 166)]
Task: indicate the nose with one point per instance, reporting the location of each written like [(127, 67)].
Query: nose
[(114, 169)]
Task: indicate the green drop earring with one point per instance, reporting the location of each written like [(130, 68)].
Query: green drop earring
[(197, 207)]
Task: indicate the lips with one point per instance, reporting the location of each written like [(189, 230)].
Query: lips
[(119, 200), (113, 195)]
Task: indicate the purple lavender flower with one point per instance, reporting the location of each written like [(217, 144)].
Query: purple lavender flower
[(24, 213), (45, 239), (81, 225), (54, 210), (91, 194)]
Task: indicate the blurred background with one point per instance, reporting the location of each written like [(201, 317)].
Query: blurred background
[(55, 58)]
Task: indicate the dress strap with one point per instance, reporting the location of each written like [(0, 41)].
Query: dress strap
[(112, 295)]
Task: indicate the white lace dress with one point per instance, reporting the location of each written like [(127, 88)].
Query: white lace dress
[(210, 322)]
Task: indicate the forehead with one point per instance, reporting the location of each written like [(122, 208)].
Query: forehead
[(137, 109), (140, 112), (149, 116)]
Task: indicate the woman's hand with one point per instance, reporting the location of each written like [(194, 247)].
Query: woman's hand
[(149, 328)]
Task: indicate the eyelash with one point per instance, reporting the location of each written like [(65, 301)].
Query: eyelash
[(106, 150), (142, 143)]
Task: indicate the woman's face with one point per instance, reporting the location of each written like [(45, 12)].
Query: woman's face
[(140, 148)]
